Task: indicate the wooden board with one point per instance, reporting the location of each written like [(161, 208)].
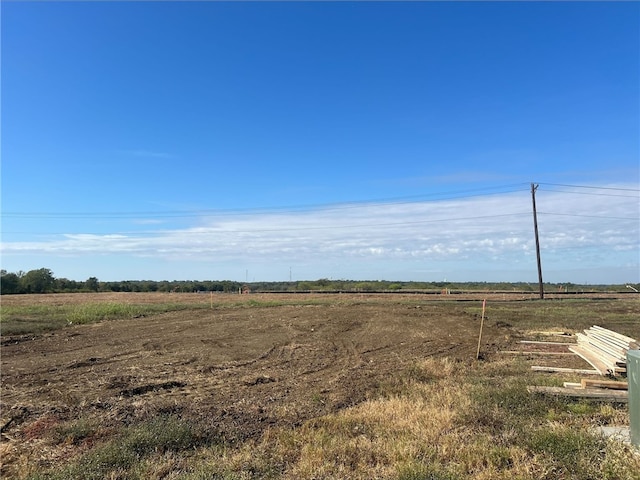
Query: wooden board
[(520, 352), (551, 334), (612, 341), (590, 393), (614, 334), (580, 371), (596, 361), (612, 384), (606, 348), (572, 385)]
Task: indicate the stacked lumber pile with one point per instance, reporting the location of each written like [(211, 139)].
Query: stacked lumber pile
[(604, 349)]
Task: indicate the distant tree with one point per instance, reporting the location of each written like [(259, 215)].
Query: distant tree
[(37, 281), (364, 286), (66, 285), (144, 286), (92, 284), (9, 283), (305, 285), (230, 286)]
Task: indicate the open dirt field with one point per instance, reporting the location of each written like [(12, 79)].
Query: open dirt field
[(248, 363), (245, 368)]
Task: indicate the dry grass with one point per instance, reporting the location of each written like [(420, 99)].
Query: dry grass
[(446, 427), (447, 421), (440, 419)]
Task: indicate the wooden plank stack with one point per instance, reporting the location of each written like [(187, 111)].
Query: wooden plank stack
[(604, 390), (604, 349)]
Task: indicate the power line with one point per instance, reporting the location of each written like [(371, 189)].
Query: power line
[(331, 227), (587, 216), (551, 248), (210, 231), (327, 207), (591, 187), (438, 196), (595, 194)]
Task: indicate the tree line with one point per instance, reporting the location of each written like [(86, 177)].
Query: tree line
[(42, 280)]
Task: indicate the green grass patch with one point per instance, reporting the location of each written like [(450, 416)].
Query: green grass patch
[(76, 431), (419, 471), (124, 456), (571, 453), (285, 302), (93, 312), (572, 314), (36, 319)]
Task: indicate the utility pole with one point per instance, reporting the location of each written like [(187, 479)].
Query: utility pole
[(535, 229)]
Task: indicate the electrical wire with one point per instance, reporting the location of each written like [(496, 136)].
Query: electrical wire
[(595, 194), (438, 196), (299, 209), (591, 187), (211, 231), (574, 192), (588, 216)]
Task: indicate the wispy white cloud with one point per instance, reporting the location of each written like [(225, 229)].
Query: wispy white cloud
[(147, 221), (576, 230)]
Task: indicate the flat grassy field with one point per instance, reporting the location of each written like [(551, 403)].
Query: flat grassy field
[(349, 386)]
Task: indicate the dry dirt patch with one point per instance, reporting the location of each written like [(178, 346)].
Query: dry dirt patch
[(244, 368)]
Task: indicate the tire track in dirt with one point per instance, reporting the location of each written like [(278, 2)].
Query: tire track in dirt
[(242, 369)]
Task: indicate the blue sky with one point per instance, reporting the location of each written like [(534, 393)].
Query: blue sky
[(304, 140)]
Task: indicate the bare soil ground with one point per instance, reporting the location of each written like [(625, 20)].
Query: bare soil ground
[(244, 368)]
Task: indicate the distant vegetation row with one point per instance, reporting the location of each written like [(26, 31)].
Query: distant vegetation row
[(43, 281)]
